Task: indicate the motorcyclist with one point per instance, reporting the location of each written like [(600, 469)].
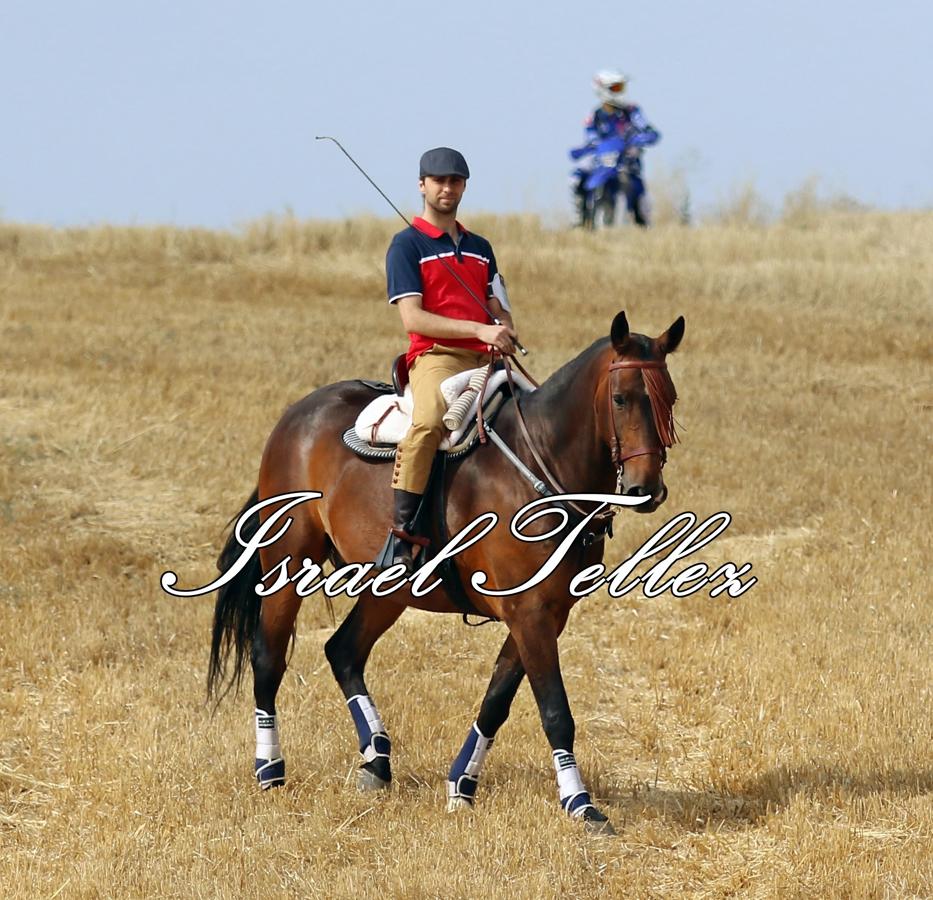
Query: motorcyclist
[(616, 116)]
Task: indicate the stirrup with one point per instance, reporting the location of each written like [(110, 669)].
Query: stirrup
[(401, 548), (385, 557)]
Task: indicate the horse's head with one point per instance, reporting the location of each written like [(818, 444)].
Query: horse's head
[(640, 398)]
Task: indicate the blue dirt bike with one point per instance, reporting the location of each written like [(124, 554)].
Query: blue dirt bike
[(604, 171)]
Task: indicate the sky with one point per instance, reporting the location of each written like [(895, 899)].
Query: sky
[(205, 113)]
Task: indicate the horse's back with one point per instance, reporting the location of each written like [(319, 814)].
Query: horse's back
[(305, 452), (331, 406)]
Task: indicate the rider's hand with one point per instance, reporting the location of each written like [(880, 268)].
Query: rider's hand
[(500, 337)]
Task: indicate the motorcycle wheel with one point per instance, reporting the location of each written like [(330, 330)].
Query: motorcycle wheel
[(604, 207), (641, 211), (586, 210)]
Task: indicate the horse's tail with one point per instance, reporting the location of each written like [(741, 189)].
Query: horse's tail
[(236, 615)]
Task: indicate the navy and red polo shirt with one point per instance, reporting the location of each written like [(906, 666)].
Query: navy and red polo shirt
[(414, 267)]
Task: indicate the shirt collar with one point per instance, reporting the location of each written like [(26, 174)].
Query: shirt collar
[(430, 230)]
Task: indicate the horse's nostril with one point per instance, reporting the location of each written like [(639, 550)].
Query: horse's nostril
[(636, 490)]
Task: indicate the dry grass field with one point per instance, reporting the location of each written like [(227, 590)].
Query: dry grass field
[(775, 745)]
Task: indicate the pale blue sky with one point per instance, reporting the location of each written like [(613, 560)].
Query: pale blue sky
[(204, 113)]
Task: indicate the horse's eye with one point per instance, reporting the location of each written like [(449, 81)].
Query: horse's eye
[(618, 399)]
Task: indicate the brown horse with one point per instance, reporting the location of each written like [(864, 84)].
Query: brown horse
[(600, 424)]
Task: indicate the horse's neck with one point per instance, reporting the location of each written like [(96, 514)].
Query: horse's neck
[(562, 421)]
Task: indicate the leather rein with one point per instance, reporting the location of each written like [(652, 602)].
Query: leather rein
[(602, 520)]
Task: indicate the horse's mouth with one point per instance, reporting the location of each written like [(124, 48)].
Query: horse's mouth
[(655, 501)]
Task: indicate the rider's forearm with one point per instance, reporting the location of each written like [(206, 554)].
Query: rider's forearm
[(420, 321), (644, 137), (502, 314)]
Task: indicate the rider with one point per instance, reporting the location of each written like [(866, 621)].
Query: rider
[(427, 267), (616, 116)]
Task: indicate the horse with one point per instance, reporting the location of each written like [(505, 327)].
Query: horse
[(601, 424)]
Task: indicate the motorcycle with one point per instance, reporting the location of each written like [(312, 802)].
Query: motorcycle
[(605, 170)]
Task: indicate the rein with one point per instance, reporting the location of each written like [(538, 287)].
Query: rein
[(661, 394)]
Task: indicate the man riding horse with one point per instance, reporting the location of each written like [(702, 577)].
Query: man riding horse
[(598, 427), (437, 271)]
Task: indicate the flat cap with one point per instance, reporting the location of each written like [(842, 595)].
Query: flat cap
[(443, 161)]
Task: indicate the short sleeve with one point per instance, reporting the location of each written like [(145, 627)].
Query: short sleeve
[(493, 270), (403, 269)]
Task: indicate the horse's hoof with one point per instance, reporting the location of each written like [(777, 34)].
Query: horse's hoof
[(458, 804), (367, 782), (600, 829), (595, 823)]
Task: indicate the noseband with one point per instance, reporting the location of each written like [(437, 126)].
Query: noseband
[(662, 395)]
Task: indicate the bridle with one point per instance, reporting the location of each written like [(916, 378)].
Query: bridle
[(657, 407), (661, 394)]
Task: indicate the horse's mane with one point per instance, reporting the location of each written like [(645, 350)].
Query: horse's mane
[(563, 379)]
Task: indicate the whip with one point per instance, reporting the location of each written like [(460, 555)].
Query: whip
[(402, 216)]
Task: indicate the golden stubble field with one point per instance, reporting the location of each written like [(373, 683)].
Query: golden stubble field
[(777, 745)]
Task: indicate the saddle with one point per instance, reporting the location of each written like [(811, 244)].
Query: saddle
[(385, 421)]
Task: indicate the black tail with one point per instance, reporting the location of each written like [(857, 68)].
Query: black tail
[(236, 615)]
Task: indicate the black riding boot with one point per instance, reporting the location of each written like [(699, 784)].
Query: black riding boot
[(403, 533)]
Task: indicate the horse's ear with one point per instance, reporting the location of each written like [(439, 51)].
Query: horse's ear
[(618, 334), (670, 340)]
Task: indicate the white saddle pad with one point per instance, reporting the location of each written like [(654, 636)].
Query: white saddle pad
[(392, 414)]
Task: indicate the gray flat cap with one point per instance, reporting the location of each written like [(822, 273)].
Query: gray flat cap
[(443, 161)]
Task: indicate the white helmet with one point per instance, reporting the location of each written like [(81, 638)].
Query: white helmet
[(610, 86)]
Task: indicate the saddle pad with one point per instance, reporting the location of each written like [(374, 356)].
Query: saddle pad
[(386, 419), (466, 445)]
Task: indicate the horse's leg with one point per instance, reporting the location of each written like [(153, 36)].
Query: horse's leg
[(464, 774), (536, 632), (270, 646), (347, 650), (277, 615)]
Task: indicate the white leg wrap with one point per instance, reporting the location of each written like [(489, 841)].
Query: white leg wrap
[(374, 740), (573, 795), (267, 736), (464, 773), (475, 763), (369, 711)]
